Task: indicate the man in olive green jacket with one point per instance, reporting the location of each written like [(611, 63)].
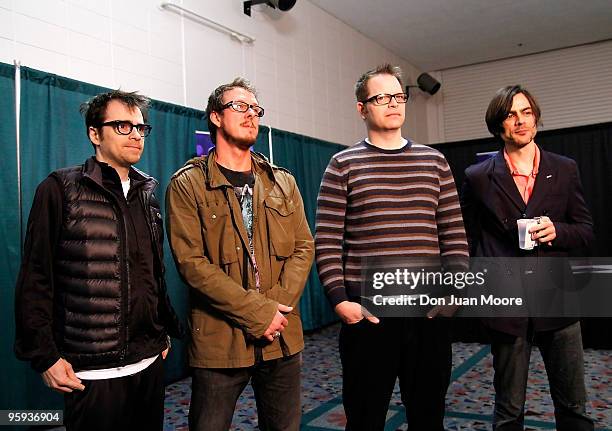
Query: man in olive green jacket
[(241, 241)]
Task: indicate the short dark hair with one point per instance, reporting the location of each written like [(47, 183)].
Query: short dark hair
[(215, 101), (361, 87), (501, 104), (94, 110)]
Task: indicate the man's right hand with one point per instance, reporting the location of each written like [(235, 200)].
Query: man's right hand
[(353, 312), (278, 323), (60, 377)]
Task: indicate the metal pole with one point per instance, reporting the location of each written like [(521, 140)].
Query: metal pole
[(18, 146), (270, 144)]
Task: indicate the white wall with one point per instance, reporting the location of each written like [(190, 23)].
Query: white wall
[(304, 62), (573, 87)]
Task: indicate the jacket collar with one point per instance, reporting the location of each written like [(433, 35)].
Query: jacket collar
[(92, 169)]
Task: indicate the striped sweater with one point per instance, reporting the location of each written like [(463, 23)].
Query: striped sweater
[(376, 202)]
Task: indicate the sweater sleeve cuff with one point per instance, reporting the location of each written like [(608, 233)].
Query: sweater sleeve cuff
[(336, 296)]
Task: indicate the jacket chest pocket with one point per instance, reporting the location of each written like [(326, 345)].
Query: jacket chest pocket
[(218, 234), (280, 215)]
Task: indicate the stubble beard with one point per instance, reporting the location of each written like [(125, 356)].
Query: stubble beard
[(243, 144)]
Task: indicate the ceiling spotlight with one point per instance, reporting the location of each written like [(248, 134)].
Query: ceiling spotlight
[(283, 5), (426, 83)]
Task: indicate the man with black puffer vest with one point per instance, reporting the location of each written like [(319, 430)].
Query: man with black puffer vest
[(91, 307)]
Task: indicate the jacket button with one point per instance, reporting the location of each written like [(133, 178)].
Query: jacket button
[(214, 216), (238, 248)]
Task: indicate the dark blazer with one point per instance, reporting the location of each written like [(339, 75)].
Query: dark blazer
[(491, 204)]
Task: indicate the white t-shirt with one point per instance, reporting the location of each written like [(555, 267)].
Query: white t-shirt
[(113, 373), (125, 185)]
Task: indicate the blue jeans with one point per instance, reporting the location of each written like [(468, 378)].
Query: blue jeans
[(563, 358), (276, 383)]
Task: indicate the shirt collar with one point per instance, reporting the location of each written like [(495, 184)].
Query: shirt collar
[(515, 171)]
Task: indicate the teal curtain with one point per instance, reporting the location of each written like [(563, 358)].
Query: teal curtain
[(11, 394), (307, 159)]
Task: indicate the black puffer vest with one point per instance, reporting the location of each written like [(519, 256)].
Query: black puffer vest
[(92, 271)]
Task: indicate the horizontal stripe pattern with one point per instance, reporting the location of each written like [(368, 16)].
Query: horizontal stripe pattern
[(375, 202)]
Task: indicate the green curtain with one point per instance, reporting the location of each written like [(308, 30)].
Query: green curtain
[(307, 159)]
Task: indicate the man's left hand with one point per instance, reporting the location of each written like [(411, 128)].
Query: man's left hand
[(543, 232)]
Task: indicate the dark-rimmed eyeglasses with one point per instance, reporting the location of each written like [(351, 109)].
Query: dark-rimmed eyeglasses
[(123, 127), (244, 107), (385, 99)]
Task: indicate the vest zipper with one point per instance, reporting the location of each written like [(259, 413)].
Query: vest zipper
[(125, 273), (125, 288)]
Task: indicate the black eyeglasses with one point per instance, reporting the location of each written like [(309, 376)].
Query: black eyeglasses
[(385, 99), (244, 107), (124, 127)]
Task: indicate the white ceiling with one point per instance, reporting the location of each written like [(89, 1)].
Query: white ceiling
[(441, 34)]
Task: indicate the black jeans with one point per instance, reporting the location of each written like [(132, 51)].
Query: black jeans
[(563, 358), (418, 351), (276, 383), (133, 402)]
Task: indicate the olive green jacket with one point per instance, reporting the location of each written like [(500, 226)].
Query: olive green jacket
[(210, 244)]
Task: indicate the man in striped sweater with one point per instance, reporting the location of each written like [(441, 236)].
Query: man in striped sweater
[(387, 196)]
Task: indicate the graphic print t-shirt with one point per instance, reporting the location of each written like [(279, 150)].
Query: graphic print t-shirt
[(243, 183)]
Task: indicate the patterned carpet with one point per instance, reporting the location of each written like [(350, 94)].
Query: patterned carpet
[(469, 399)]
